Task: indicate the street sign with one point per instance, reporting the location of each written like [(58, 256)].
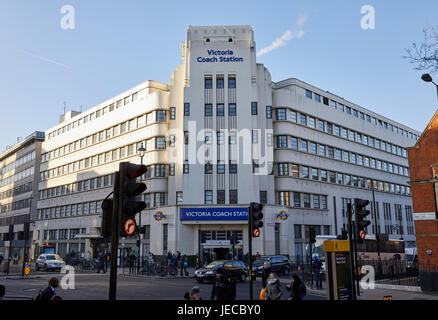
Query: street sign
[(129, 226), (27, 268)]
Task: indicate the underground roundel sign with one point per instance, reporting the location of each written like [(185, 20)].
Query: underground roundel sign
[(129, 226)]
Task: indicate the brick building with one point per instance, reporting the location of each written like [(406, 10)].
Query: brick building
[(423, 164)]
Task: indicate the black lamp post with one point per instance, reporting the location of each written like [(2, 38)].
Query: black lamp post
[(141, 151), (427, 78)]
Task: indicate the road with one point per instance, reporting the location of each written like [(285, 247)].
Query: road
[(92, 286)]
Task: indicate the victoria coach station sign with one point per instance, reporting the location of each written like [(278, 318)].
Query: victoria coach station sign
[(219, 56), (210, 214)]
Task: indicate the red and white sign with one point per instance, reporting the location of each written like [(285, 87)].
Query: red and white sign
[(129, 226)]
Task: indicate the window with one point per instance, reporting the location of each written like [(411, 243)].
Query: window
[(294, 143), (179, 197), (333, 104), (293, 116), (322, 150), (312, 123), (323, 175), (284, 198), (231, 82), (355, 113), (297, 200), (315, 174), (308, 94), (303, 119), (305, 172), (316, 201), (233, 196), (232, 109), (269, 112), (220, 196), (208, 110), (263, 197), (159, 170), (306, 200), (281, 114), (161, 117), (282, 142), (233, 168), (208, 168), (186, 168), (208, 83), (219, 83), (317, 97), (220, 168), (321, 125), (304, 145), (208, 197), (313, 147), (283, 169), (186, 109), (254, 108), (220, 110)]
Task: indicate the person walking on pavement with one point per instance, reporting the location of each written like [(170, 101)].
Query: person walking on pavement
[(131, 261), (273, 289), (297, 289), (224, 288), (50, 291), (317, 265), (265, 273), (183, 265), (101, 263), (178, 261)]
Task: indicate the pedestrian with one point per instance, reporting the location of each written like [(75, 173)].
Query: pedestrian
[(174, 264), (1, 258), (131, 261), (258, 256), (273, 288), (317, 265), (178, 261), (101, 260), (194, 294), (184, 265), (224, 287), (2, 291), (197, 261), (265, 273), (88, 256), (50, 291), (297, 289)]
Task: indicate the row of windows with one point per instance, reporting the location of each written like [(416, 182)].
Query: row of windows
[(15, 220), (302, 200), (106, 157), (159, 170), (27, 187), (220, 110), (302, 145), (72, 210), (359, 114), (300, 171), (17, 177), (19, 162), (133, 124), (155, 199), (298, 230), (62, 234), (208, 197), (93, 115), (16, 205), (339, 131), (220, 82)]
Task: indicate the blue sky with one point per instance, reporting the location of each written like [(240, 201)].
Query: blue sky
[(118, 44)]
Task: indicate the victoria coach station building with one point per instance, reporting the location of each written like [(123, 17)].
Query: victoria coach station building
[(220, 135)]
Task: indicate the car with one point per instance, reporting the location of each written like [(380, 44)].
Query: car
[(49, 261), (233, 268), (279, 265)]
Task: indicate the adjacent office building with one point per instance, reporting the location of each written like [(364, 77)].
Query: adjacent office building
[(19, 177), (219, 135)]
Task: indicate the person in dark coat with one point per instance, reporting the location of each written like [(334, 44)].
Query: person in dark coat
[(265, 273), (101, 263), (224, 288), (317, 265), (131, 261), (1, 258), (50, 291), (297, 289)]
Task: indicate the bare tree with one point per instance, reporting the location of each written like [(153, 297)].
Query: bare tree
[(425, 54)]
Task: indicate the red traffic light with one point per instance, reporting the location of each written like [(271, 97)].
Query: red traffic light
[(133, 171)]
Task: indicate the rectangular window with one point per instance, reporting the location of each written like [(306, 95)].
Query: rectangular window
[(269, 112), (297, 200), (208, 110), (208, 197), (220, 110), (294, 143), (263, 197), (233, 197), (306, 200), (186, 109), (219, 83), (231, 82), (208, 83), (304, 145), (303, 119), (293, 116), (172, 113), (220, 196), (232, 109), (281, 114), (254, 108), (309, 94), (282, 142)]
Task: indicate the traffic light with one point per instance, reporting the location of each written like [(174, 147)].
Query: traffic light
[(130, 189), (255, 215), (233, 240), (312, 235), (361, 223), (107, 218)]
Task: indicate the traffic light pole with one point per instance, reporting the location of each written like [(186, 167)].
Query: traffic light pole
[(350, 237), (356, 265), (115, 236), (251, 296), (376, 227)]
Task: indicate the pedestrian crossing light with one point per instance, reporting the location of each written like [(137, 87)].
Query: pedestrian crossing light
[(361, 214), (130, 190), (255, 215)]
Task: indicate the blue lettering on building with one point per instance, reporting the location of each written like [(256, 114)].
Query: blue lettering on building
[(224, 56), (192, 214)]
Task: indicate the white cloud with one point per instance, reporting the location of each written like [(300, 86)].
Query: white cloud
[(286, 36)]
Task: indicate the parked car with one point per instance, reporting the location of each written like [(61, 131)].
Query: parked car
[(234, 269), (279, 265), (49, 261)]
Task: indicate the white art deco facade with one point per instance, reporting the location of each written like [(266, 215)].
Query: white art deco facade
[(220, 135)]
